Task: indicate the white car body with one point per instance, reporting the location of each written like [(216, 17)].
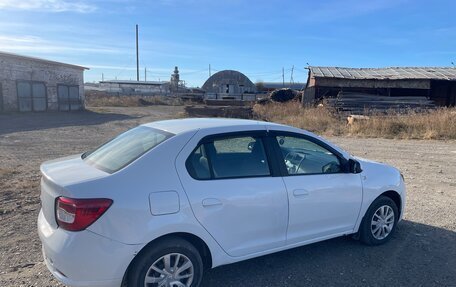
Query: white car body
[(237, 218)]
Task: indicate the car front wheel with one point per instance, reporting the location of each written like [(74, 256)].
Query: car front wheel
[(380, 221), (170, 262)]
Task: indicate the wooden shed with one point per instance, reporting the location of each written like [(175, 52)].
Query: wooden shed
[(435, 83)]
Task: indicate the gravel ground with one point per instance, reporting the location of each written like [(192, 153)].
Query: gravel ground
[(422, 252)]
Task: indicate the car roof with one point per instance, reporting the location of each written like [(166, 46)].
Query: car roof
[(178, 126), (189, 124)]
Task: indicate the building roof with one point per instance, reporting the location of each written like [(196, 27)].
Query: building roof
[(21, 57), (391, 73), (151, 83), (226, 77)]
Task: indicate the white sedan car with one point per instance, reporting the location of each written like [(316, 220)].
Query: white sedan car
[(164, 201)]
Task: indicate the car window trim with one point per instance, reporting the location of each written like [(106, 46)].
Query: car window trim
[(273, 164), (274, 133)]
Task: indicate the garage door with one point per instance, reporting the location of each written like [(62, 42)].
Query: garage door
[(31, 96), (69, 99)]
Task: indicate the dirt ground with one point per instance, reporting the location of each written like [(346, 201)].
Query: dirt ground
[(422, 252)]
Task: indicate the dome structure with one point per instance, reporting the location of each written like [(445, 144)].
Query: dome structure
[(229, 82)]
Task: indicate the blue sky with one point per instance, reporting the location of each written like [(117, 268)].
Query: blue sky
[(257, 38)]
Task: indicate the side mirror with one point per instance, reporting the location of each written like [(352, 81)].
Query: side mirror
[(355, 166)]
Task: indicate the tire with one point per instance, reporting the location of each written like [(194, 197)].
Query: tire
[(379, 212), (174, 249)]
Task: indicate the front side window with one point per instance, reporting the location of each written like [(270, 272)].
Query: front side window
[(125, 148), (302, 156), (229, 157)]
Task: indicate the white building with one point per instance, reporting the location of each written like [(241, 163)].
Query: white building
[(34, 84)]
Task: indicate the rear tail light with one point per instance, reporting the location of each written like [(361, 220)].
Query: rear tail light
[(78, 214)]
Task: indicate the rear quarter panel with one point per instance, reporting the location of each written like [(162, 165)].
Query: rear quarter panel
[(130, 220)]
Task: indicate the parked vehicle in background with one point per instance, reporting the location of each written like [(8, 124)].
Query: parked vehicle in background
[(162, 202)]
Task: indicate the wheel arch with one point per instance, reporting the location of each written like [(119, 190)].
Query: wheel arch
[(395, 196), (390, 193), (196, 241)]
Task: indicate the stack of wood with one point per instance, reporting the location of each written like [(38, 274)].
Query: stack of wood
[(357, 103), (191, 97)]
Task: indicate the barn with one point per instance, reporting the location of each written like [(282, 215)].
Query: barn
[(122, 87), (437, 84), (32, 84)]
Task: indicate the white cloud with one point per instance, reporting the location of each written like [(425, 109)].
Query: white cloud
[(19, 39), (48, 5), (323, 11), (19, 44)]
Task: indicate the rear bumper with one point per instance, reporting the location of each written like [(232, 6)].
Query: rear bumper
[(84, 258), (73, 283)]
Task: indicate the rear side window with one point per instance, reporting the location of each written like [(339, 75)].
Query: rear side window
[(125, 148), (233, 157)]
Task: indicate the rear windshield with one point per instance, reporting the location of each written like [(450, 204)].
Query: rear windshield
[(125, 148)]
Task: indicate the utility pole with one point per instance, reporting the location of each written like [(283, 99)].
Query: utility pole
[(137, 55), (291, 78), (283, 78), (209, 70), (145, 74), (102, 77)]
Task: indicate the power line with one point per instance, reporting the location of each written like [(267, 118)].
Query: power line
[(130, 59)]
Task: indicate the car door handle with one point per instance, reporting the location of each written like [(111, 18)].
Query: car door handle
[(211, 202), (300, 193)]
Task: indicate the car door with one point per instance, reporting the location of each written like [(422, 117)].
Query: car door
[(324, 197), (235, 193)]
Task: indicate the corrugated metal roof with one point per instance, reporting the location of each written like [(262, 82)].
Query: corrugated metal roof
[(391, 73), (12, 55)]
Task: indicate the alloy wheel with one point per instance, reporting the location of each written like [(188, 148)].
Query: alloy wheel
[(170, 270), (382, 222)]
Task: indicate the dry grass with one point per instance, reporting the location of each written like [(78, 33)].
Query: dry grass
[(318, 120), (100, 99), (436, 124)]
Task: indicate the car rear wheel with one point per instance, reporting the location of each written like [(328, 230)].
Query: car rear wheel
[(380, 221), (170, 262)]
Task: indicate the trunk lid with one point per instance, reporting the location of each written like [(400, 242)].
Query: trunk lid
[(57, 177)]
